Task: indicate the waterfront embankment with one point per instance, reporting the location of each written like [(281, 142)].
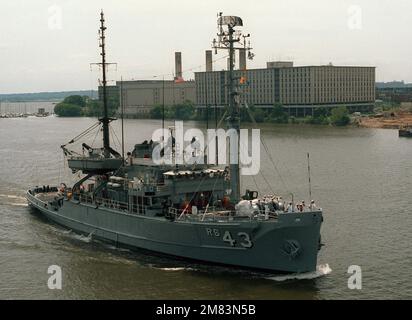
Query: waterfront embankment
[(392, 120)]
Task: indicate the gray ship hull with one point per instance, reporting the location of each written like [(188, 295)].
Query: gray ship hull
[(288, 244)]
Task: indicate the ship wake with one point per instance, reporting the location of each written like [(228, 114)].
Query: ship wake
[(13, 200), (176, 269), (76, 236), (321, 271)]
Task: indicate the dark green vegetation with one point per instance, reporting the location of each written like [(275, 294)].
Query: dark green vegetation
[(321, 116), (277, 114), (45, 96), (340, 117), (67, 110), (185, 111), (78, 106)]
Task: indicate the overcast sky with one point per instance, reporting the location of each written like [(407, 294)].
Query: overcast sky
[(48, 45)]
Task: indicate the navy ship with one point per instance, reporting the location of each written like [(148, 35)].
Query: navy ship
[(194, 211)]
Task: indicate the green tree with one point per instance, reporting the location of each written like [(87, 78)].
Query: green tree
[(245, 113), (156, 112), (321, 112), (183, 111), (205, 114), (94, 108), (340, 116), (68, 110), (310, 120), (278, 114), (323, 120), (75, 100), (320, 116), (259, 115)]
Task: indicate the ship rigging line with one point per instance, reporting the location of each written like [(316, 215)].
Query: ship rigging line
[(263, 176), (87, 131), (210, 198), (267, 149), (95, 137), (217, 126), (114, 133), (90, 134), (273, 163)]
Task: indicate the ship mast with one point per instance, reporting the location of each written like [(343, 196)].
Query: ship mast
[(105, 120), (227, 38), (111, 160)]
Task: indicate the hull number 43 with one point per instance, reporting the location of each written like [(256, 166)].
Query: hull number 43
[(242, 239)]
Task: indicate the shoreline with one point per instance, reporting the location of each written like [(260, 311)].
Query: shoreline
[(370, 122), (392, 121)]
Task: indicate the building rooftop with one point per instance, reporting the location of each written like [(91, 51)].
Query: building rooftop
[(155, 81), (294, 67)]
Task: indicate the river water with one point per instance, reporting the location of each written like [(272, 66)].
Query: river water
[(360, 177)]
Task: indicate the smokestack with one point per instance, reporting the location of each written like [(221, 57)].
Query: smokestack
[(209, 61), (242, 60), (178, 65)]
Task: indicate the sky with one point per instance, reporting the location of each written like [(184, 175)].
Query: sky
[(49, 45)]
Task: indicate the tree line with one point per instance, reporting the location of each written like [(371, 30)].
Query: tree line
[(77, 106), (321, 116), (84, 106)]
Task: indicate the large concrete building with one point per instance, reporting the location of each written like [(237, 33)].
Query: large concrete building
[(298, 89), (397, 92), (111, 91), (139, 97)]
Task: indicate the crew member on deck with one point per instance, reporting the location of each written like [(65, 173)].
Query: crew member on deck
[(129, 159), (313, 206)]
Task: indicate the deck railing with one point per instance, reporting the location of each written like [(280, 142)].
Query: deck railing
[(211, 214), (111, 204), (214, 215)]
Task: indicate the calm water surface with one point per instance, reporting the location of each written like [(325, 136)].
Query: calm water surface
[(361, 178)]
